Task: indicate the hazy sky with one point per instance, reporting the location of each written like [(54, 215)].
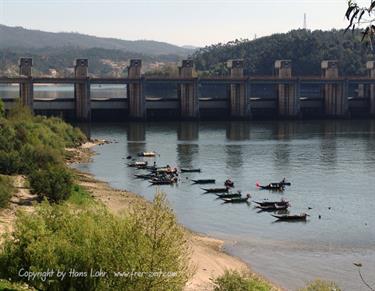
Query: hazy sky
[(182, 22)]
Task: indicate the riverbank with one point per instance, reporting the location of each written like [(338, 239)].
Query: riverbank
[(207, 257), (208, 260)]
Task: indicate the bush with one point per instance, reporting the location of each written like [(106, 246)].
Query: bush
[(6, 191), (319, 285), (235, 281), (84, 238), (53, 182)]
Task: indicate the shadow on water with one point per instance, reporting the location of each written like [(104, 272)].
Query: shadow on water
[(187, 152)]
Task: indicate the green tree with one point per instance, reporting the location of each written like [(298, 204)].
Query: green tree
[(86, 236), (54, 182)]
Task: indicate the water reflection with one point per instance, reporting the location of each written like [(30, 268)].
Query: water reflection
[(237, 130), (328, 155), (187, 152), (188, 131), (136, 136)]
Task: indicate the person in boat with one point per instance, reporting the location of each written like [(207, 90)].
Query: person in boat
[(229, 183), (154, 164), (283, 181)]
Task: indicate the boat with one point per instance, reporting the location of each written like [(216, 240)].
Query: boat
[(272, 186), (229, 183), (147, 154), (185, 170), (237, 199), (267, 203), (166, 170), (283, 182), (163, 181), (272, 207), (204, 181), (215, 190), (288, 217), (138, 164), (228, 195), (145, 176)]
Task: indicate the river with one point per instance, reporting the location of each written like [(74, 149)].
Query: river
[(331, 165)]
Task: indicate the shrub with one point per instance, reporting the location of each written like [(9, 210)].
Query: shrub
[(6, 191), (53, 182), (65, 237), (319, 285), (235, 281)]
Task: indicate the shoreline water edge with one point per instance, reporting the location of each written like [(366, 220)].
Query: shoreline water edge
[(208, 259)]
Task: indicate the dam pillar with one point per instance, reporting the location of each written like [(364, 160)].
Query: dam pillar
[(288, 103), (135, 91), (370, 65), (188, 91), (335, 94), (26, 87), (239, 106), (82, 90)]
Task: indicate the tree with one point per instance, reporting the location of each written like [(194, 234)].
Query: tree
[(363, 18)]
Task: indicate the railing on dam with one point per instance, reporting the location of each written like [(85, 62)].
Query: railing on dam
[(287, 96)]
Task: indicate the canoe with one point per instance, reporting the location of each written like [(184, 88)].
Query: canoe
[(204, 181), (302, 216), (145, 176), (215, 190), (267, 203), (163, 182), (273, 207), (147, 154), (237, 199), (272, 186), (230, 195), (166, 170), (138, 164), (183, 170)]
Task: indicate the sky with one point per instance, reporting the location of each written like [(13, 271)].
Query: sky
[(181, 22)]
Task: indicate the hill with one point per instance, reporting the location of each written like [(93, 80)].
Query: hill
[(305, 48), (21, 38)]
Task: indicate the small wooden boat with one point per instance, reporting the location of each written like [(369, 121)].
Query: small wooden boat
[(166, 170), (204, 181), (184, 170), (145, 176), (285, 183), (273, 207), (288, 217), (165, 181), (237, 199), (147, 154), (229, 195), (138, 164), (215, 190), (267, 203), (272, 187)]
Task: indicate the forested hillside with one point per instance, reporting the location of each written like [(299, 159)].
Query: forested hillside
[(305, 48), (19, 37)]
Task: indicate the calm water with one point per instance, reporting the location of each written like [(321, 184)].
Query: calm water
[(330, 164)]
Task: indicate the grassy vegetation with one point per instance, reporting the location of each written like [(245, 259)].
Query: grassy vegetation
[(35, 146), (87, 238), (9, 286), (319, 285), (6, 190), (235, 281)]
